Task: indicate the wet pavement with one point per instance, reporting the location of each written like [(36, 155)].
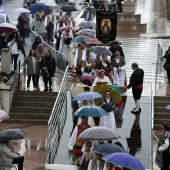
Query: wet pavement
[(134, 130)]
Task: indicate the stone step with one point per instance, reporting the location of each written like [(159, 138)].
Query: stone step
[(23, 109), (162, 98), (160, 120), (39, 116), (41, 93), (161, 109), (161, 115), (161, 103), (157, 127), (26, 121), (131, 27), (33, 103), (34, 98)]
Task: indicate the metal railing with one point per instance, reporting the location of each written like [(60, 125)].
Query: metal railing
[(60, 58), (159, 64), (57, 120)]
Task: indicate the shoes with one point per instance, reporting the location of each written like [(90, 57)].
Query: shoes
[(35, 88), (52, 40), (45, 89)]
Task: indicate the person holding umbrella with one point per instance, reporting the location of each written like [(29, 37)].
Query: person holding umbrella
[(39, 23), (10, 156)]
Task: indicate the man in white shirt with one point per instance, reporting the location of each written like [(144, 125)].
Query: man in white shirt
[(50, 25), (80, 56)]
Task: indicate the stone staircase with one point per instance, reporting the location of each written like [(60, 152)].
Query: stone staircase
[(160, 114), (31, 107)]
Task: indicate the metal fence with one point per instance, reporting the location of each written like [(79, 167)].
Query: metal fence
[(57, 121), (159, 65), (60, 58)]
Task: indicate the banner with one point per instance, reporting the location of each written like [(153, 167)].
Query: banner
[(106, 26)]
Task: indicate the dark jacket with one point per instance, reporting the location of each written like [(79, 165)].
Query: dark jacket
[(50, 64), (108, 107), (136, 78), (167, 62)]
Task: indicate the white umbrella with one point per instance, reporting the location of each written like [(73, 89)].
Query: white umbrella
[(3, 115), (98, 133), (48, 3), (22, 10)]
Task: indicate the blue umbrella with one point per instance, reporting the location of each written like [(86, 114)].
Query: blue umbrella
[(80, 38), (167, 107), (107, 148), (34, 7), (91, 111), (87, 96), (124, 160), (91, 31)]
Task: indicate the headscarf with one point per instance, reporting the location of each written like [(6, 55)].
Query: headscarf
[(99, 71), (38, 51)]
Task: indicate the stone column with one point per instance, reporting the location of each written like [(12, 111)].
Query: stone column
[(5, 60)]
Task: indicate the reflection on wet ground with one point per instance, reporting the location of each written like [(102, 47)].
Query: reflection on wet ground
[(135, 130)]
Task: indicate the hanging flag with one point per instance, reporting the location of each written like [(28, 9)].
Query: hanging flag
[(106, 26)]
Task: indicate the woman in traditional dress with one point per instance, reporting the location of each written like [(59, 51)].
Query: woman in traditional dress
[(105, 65), (86, 157), (162, 155), (101, 78), (108, 104), (88, 71), (39, 23), (118, 64)]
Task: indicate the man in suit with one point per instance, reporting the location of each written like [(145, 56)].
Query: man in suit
[(136, 82), (50, 25), (80, 56)]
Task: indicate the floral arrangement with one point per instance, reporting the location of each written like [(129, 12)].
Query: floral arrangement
[(4, 77), (77, 153), (118, 104)]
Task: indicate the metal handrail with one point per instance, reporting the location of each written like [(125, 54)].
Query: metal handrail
[(57, 120), (152, 115), (159, 63)]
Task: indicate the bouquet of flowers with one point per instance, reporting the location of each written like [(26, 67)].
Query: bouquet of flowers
[(77, 154)]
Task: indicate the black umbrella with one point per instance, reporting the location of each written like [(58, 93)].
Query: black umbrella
[(66, 8), (12, 134)]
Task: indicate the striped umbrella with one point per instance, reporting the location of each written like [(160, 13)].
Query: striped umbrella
[(87, 96), (91, 31)]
